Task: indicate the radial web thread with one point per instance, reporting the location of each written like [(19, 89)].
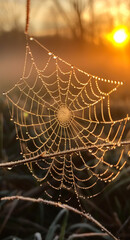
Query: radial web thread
[(57, 107)]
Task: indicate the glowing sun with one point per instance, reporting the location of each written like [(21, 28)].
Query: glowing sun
[(120, 36)]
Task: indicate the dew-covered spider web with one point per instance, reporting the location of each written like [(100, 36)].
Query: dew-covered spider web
[(57, 107)]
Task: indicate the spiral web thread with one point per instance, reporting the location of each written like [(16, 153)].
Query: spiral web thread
[(57, 107)]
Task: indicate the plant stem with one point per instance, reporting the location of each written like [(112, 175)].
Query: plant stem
[(58, 204), (56, 154)]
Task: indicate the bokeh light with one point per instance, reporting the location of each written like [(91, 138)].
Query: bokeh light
[(119, 36)]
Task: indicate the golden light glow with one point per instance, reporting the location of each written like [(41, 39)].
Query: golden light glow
[(119, 36)]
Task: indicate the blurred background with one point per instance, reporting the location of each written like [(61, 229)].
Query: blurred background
[(93, 35)]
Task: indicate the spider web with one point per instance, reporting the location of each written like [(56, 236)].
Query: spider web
[(57, 107)]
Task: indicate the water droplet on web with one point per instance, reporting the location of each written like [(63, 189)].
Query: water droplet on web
[(9, 168), (90, 150), (55, 57)]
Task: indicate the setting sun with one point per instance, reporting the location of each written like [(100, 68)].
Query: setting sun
[(120, 36)]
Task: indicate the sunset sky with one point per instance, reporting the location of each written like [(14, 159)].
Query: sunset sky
[(45, 17), (111, 61)]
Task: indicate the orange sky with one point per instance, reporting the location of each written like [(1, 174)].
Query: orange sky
[(44, 17)]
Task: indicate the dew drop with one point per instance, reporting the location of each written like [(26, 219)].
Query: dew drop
[(118, 144), (9, 168), (31, 38), (90, 150)]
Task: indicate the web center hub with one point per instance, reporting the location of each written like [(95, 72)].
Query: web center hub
[(64, 115)]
